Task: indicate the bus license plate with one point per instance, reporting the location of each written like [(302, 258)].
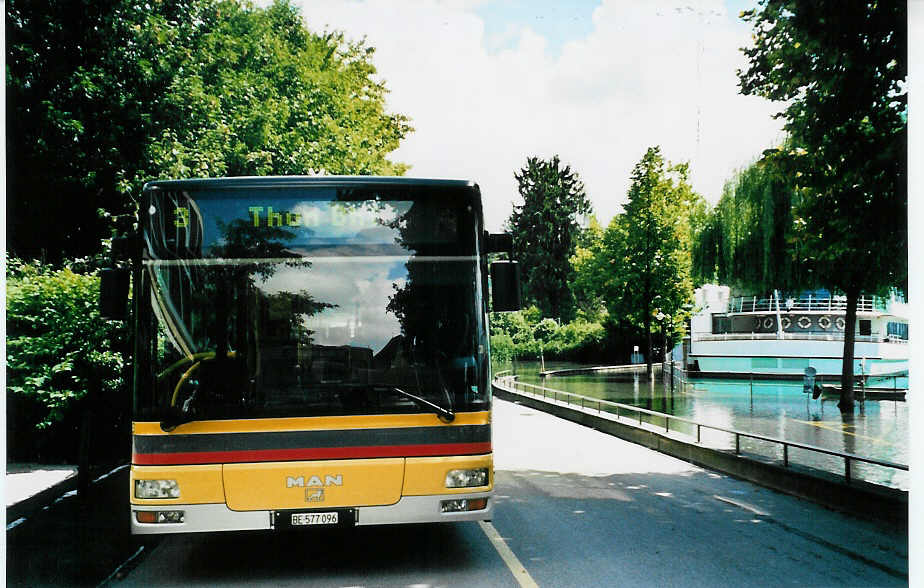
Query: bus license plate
[(300, 519)]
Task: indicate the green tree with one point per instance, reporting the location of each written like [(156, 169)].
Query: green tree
[(103, 96), (544, 230), (256, 93), (749, 239), (842, 68), (644, 257), (588, 272), (74, 123)]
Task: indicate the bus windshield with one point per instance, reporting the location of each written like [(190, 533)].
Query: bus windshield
[(318, 301)]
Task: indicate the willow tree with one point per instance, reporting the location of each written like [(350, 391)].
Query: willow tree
[(841, 67), (749, 239)]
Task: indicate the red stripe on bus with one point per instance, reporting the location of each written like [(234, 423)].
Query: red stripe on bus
[(262, 455)]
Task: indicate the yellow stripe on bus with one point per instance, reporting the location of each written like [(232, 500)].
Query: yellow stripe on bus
[(379, 421)]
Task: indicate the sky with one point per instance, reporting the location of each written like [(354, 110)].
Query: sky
[(489, 83)]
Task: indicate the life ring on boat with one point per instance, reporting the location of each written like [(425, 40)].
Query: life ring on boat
[(840, 323), (804, 322), (824, 322), (786, 322), (756, 326), (768, 322)]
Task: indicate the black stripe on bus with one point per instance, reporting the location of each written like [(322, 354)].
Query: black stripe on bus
[(249, 441)]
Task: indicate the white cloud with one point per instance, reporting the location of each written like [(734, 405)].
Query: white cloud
[(360, 290), (650, 73)]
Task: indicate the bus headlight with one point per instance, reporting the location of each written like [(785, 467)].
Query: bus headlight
[(467, 478), (463, 505), (157, 489)]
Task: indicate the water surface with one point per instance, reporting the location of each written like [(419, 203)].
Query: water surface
[(777, 409)]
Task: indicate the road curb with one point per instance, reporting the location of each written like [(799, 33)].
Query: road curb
[(49, 495), (29, 506)]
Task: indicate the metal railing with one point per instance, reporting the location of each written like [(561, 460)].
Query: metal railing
[(588, 403), (796, 336), (808, 303), (865, 385)]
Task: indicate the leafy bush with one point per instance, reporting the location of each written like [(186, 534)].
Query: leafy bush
[(545, 330), (578, 334), (525, 334), (56, 344), (518, 325), (503, 348)]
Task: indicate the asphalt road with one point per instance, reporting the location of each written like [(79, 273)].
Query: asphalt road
[(575, 508)]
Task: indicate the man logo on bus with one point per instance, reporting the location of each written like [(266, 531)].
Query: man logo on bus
[(314, 481)]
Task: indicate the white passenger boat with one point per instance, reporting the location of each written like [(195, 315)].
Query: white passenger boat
[(782, 334)]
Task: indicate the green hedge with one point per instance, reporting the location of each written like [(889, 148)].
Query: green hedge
[(56, 344)]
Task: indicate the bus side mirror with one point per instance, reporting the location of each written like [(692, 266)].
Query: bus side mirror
[(113, 293), (505, 286)]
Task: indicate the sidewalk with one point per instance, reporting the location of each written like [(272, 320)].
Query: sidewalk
[(30, 486), (62, 539)]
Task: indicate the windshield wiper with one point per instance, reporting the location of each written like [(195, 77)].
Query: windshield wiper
[(444, 414)]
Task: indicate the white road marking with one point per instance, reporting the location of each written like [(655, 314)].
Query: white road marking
[(109, 473), (744, 505), (517, 568), (16, 523)]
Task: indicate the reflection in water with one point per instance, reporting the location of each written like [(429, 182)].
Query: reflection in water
[(775, 409), (850, 435)]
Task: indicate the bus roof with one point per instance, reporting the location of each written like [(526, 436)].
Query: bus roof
[(250, 182)]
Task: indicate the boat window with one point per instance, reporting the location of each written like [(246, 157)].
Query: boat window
[(899, 330)]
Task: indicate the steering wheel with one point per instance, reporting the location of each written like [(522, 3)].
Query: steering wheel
[(197, 360)]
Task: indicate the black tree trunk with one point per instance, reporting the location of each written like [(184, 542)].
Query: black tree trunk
[(850, 329), (648, 370)]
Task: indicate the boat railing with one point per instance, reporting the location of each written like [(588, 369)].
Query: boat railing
[(795, 336), (627, 412), (808, 303)]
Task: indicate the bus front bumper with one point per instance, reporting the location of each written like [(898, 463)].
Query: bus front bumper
[(202, 518)]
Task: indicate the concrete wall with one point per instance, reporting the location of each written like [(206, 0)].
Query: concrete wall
[(858, 498)]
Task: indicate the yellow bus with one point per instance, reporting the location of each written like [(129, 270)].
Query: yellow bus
[(312, 351)]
